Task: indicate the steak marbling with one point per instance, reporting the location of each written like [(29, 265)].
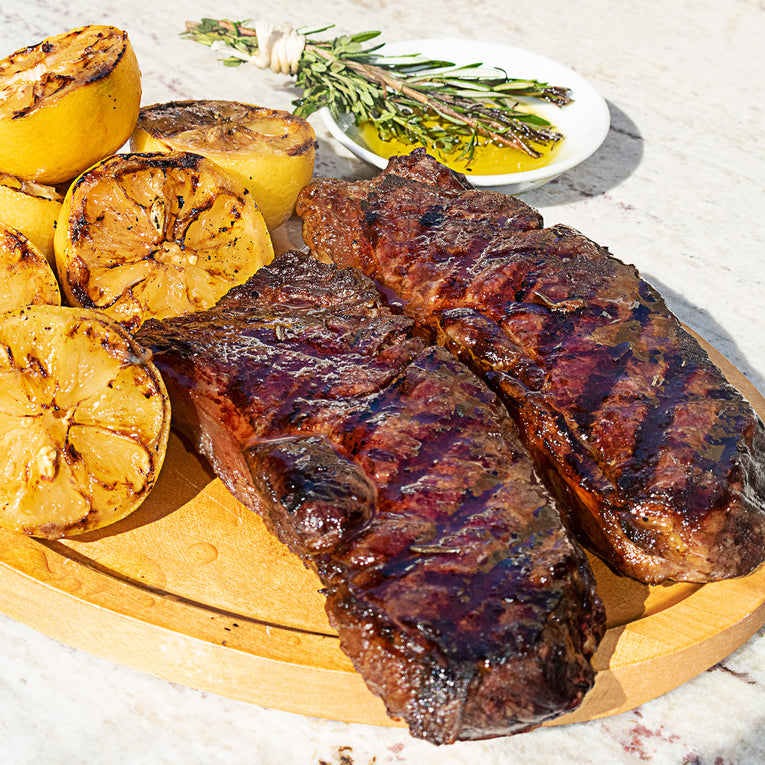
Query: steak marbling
[(657, 460), (393, 471)]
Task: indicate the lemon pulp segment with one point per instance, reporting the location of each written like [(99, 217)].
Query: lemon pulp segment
[(84, 421), (157, 235), (26, 277)]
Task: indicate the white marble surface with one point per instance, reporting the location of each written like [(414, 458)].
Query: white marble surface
[(675, 189)]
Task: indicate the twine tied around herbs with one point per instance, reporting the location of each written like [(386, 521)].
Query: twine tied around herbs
[(279, 47), (398, 97)]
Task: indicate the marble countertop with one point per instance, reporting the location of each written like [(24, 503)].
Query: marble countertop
[(676, 189)]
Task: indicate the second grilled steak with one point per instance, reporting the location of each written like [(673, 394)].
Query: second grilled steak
[(658, 460), (393, 471)]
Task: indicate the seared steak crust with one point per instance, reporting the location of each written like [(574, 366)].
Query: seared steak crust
[(394, 472), (657, 460)]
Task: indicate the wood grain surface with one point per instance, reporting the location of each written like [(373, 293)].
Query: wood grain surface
[(192, 588)]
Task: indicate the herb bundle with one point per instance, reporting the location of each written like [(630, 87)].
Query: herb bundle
[(413, 99)]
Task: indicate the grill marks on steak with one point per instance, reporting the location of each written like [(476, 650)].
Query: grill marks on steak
[(394, 472), (657, 459)]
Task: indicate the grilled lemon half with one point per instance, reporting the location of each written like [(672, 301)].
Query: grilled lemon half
[(33, 209), (84, 421), (156, 235), (26, 277), (272, 152), (67, 102)]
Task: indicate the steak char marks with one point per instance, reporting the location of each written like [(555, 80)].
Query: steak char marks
[(657, 460), (395, 473)]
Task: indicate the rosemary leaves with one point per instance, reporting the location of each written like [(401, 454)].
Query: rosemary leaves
[(414, 100)]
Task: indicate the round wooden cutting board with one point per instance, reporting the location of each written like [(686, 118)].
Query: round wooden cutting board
[(193, 589)]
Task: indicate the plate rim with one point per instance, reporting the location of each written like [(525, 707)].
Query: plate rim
[(600, 115)]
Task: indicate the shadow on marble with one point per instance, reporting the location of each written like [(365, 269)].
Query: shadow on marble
[(618, 157)]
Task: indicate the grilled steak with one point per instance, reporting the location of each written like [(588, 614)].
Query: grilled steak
[(393, 471), (657, 461)]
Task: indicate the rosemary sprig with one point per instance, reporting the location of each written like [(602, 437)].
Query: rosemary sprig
[(416, 100)]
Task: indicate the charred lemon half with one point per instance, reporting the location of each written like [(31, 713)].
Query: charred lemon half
[(26, 277), (272, 152), (32, 208), (156, 235), (67, 102), (84, 421)]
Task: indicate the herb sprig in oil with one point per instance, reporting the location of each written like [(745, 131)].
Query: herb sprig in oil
[(413, 99)]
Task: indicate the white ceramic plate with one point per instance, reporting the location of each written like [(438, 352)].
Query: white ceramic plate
[(584, 123)]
